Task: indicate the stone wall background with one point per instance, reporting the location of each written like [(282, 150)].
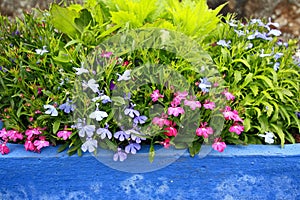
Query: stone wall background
[(285, 12)]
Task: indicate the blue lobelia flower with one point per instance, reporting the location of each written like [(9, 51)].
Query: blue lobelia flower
[(204, 85), (67, 107), (121, 135), (224, 43), (120, 155), (131, 112), (90, 144), (50, 110), (132, 148), (276, 66), (104, 132), (97, 114), (140, 119), (278, 55), (85, 129)]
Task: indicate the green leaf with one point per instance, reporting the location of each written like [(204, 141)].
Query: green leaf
[(247, 80), (194, 148), (242, 61), (63, 19), (237, 77), (56, 125), (63, 147), (266, 80), (279, 132), (247, 124), (254, 89), (151, 153), (84, 19), (118, 101)]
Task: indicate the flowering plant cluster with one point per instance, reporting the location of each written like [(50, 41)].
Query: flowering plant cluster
[(100, 75)]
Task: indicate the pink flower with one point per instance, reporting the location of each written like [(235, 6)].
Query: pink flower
[(31, 132), (155, 95), (192, 104), (14, 135), (170, 131), (175, 111), (41, 143), (29, 145), (218, 145), (166, 143), (204, 131), (161, 121), (228, 95), (209, 105), (236, 128), (64, 134), (3, 134), (231, 115), (176, 101), (4, 149), (181, 95)]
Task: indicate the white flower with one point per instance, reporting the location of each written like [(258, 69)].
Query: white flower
[(268, 137), (41, 51), (125, 76)]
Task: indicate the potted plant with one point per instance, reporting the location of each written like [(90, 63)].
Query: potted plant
[(112, 79)]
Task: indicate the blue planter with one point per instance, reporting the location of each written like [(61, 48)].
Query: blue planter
[(241, 172)]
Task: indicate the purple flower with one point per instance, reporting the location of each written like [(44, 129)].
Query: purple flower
[(132, 147), (112, 85), (204, 85), (259, 35), (224, 43), (67, 107), (120, 155), (278, 55), (90, 144), (84, 129), (140, 119), (121, 135), (104, 133), (240, 33), (298, 114), (131, 112)]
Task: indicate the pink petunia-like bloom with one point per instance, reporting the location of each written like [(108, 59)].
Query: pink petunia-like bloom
[(29, 145), (204, 131), (64, 134), (175, 111), (156, 95), (228, 95), (231, 115), (166, 143), (218, 145), (236, 128), (192, 104), (209, 105), (14, 135), (31, 132), (41, 143), (170, 131)]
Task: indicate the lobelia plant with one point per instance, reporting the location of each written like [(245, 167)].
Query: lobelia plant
[(108, 74)]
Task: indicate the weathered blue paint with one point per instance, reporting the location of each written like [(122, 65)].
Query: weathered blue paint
[(251, 172)]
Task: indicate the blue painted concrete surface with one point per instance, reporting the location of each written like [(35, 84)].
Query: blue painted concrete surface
[(252, 172)]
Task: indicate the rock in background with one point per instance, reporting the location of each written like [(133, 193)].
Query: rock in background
[(285, 12)]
